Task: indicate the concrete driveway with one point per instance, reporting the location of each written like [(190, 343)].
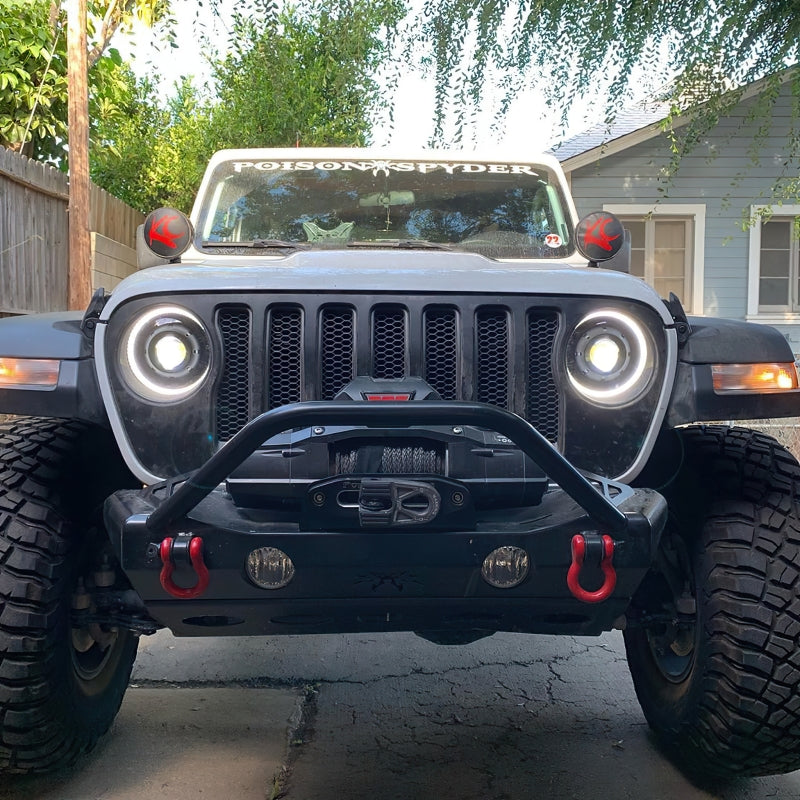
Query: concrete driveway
[(390, 716)]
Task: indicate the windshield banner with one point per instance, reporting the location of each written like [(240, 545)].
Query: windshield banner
[(385, 167)]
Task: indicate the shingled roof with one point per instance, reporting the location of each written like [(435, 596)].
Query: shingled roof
[(641, 115)]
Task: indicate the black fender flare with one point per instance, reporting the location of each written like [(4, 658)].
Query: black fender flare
[(58, 336), (727, 341)]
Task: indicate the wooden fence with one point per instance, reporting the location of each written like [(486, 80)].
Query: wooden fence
[(34, 236)]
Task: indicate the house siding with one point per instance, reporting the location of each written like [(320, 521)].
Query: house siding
[(720, 173)]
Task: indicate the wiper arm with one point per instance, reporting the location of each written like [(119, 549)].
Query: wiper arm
[(402, 244), (261, 244), (280, 244), (421, 244), (277, 244)]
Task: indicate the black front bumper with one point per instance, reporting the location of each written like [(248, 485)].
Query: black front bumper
[(385, 578)]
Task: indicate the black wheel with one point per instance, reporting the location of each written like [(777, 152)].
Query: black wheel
[(60, 686), (713, 642)]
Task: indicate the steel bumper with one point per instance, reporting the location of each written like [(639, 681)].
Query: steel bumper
[(384, 578)]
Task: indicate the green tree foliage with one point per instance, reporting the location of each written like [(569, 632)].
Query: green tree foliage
[(305, 74), (708, 49), (33, 68), (152, 151), (33, 83)]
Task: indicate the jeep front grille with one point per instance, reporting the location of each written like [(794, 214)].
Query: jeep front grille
[(311, 348)]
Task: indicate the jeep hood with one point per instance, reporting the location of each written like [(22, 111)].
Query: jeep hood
[(392, 271)]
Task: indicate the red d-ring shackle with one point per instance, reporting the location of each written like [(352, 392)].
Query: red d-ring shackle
[(578, 547), (196, 558)]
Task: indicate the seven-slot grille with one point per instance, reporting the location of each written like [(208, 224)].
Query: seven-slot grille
[(499, 354)]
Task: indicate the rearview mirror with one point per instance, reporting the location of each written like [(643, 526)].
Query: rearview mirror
[(386, 199)]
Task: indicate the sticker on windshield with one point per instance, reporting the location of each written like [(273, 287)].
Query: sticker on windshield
[(552, 240), (380, 167)]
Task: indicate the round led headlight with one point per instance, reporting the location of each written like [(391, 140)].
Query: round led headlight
[(165, 354), (610, 358)]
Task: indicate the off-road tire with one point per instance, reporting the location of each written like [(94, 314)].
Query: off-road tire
[(55, 701), (725, 697)]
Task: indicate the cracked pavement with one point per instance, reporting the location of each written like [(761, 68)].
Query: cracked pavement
[(504, 718), (510, 717)]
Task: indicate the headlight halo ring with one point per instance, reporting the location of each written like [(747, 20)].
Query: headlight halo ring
[(631, 373), (146, 373)]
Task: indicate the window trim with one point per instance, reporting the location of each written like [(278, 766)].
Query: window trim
[(697, 211), (754, 265)]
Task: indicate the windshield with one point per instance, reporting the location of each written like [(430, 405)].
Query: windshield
[(498, 210)]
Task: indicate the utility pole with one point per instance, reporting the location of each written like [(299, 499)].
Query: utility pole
[(79, 287)]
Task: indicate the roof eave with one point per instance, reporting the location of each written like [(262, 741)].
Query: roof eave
[(615, 146), (595, 154)]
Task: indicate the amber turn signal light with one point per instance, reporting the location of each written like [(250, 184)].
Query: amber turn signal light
[(22, 372), (754, 377)]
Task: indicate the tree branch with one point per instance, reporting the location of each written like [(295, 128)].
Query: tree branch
[(111, 21)]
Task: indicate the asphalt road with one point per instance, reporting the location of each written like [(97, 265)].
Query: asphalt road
[(384, 716)]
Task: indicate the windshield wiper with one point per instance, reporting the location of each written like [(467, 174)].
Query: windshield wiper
[(280, 244), (402, 244), (421, 244), (261, 244)]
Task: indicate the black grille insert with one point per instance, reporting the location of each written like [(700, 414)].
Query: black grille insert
[(337, 349), (389, 343), (492, 347), (542, 407), (441, 351), (285, 359), (233, 395)]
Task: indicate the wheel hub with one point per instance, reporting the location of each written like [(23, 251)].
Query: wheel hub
[(91, 645)]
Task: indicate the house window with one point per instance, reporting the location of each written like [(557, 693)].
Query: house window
[(778, 266), (773, 282), (668, 247), (662, 254)]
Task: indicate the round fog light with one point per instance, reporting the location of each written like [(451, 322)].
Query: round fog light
[(269, 568), (505, 567)]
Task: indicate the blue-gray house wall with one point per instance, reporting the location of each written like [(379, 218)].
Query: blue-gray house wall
[(721, 180)]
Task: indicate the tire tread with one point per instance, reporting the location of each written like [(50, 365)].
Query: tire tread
[(746, 717), (37, 537)]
